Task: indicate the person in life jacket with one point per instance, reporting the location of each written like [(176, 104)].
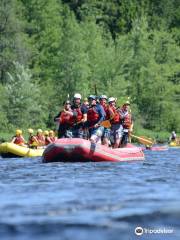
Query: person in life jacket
[(127, 122), (52, 136), (95, 116), (173, 137), (116, 124), (40, 138), (80, 116), (66, 121), (85, 103), (32, 141), (107, 130), (47, 138), (18, 138)]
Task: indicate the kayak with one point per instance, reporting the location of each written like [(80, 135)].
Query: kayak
[(157, 148), (81, 150), (8, 150)]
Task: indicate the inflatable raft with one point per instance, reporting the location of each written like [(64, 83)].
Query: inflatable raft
[(13, 150), (80, 150), (174, 144), (157, 148)]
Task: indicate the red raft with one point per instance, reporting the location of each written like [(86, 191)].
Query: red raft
[(80, 150), (157, 148)]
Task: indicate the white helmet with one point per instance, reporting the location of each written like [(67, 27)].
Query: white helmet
[(77, 95), (103, 97), (111, 99)]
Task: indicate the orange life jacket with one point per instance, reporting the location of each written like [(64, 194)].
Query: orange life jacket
[(19, 140), (116, 116)]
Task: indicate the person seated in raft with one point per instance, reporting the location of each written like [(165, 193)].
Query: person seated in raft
[(95, 116), (148, 147), (127, 122), (52, 136), (116, 124), (47, 138), (18, 138), (40, 138), (66, 120), (32, 140)]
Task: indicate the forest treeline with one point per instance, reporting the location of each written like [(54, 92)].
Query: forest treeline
[(50, 49)]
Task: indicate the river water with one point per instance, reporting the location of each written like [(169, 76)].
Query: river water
[(104, 201)]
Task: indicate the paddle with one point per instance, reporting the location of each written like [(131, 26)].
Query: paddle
[(106, 124), (143, 140)]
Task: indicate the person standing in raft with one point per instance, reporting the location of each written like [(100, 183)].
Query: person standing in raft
[(85, 127), (107, 130), (18, 138), (127, 122), (80, 116), (116, 125), (95, 116), (66, 120)]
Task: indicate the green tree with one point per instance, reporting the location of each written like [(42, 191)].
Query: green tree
[(25, 109), (44, 30), (3, 108), (13, 41)]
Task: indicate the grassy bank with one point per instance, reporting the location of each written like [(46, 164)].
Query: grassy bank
[(160, 137)]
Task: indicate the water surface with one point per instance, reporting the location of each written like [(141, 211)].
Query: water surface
[(91, 200)]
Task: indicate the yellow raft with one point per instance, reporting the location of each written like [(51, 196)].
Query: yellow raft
[(174, 144), (13, 150)]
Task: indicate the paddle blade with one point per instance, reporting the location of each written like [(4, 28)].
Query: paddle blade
[(106, 124), (143, 140)]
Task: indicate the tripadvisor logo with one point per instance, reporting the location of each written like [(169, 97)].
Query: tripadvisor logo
[(139, 231)]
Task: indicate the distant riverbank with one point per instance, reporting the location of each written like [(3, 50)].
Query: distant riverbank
[(158, 137)]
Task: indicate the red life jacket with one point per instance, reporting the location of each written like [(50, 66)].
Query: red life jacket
[(116, 116), (31, 140), (66, 119), (40, 139), (79, 116), (47, 141), (92, 116), (127, 121), (19, 140), (53, 139)]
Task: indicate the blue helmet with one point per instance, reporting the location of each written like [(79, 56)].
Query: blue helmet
[(92, 97)]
